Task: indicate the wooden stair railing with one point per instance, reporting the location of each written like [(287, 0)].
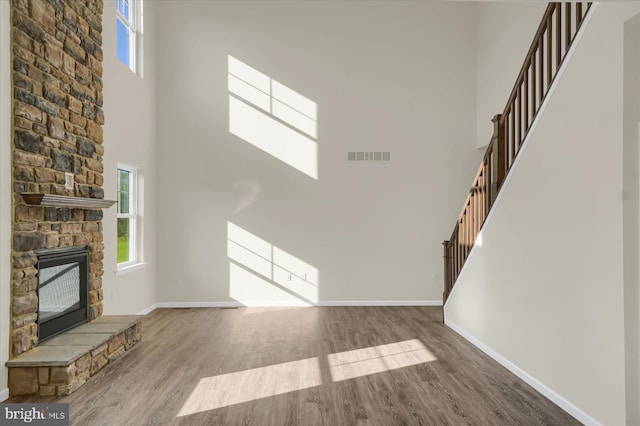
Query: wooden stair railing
[(551, 43)]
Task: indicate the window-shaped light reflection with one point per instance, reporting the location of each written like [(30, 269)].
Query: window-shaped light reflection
[(248, 385), (273, 117), (376, 359), (260, 273)]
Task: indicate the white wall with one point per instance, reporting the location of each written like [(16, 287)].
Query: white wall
[(5, 193), (545, 289), (130, 137), (396, 77), (631, 215), (504, 34)]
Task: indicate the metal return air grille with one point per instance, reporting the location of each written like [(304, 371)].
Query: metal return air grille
[(368, 156)]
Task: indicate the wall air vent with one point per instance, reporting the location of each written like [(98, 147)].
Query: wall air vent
[(368, 156)]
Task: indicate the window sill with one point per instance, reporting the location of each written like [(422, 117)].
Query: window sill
[(130, 268)]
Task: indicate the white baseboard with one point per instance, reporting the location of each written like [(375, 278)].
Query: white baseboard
[(198, 305), (380, 303), (148, 310), (4, 394), (236, 304), (567, 406)]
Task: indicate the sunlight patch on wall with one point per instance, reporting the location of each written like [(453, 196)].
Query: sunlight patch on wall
[(260, 273), (252, 290), (272, 117), (273, 137), (376, 359), (249, 385)]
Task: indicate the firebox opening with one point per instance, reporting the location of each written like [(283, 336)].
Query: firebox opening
[(62, 290)]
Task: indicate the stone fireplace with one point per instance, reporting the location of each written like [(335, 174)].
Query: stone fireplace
[(57, 179), (57, 133)]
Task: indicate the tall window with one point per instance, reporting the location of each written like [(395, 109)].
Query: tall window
[(127, 216), (128, 23)]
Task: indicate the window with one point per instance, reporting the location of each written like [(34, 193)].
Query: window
[(127, 216), (128, 27)]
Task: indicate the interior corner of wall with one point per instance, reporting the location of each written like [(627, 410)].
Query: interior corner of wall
[(5, 190)]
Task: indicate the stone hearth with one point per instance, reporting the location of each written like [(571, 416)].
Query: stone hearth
[(64, 363)]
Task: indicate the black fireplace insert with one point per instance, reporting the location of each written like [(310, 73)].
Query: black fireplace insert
[(62, 290)]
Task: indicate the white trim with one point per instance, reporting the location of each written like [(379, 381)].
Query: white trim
[(129, 268), (525, 144), (4, 394), (273, 304), (236, 304), (530, 380), (380, 303), (148, 309), (160, 305)]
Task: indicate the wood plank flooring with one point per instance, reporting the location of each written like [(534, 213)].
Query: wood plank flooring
[(288, 366)]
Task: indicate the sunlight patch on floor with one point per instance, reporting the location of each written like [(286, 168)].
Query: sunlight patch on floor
[(377, 359), (248, 385)]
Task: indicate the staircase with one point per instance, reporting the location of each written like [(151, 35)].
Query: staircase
[(551, 44)]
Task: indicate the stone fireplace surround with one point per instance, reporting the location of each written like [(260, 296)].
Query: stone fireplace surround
[(57, 129), (57, 118)]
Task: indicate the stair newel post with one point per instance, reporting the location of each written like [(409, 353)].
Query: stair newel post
[(447, 271), (499, 169)]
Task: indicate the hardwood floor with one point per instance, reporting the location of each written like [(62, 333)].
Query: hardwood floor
[(305, 366)]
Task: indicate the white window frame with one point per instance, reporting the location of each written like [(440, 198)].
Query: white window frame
[(134, 245), (133, 24)]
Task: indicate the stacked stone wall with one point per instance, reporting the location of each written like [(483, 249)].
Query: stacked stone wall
[(56, 53)]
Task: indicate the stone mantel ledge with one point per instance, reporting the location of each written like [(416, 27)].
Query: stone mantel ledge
[(52, 200)]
